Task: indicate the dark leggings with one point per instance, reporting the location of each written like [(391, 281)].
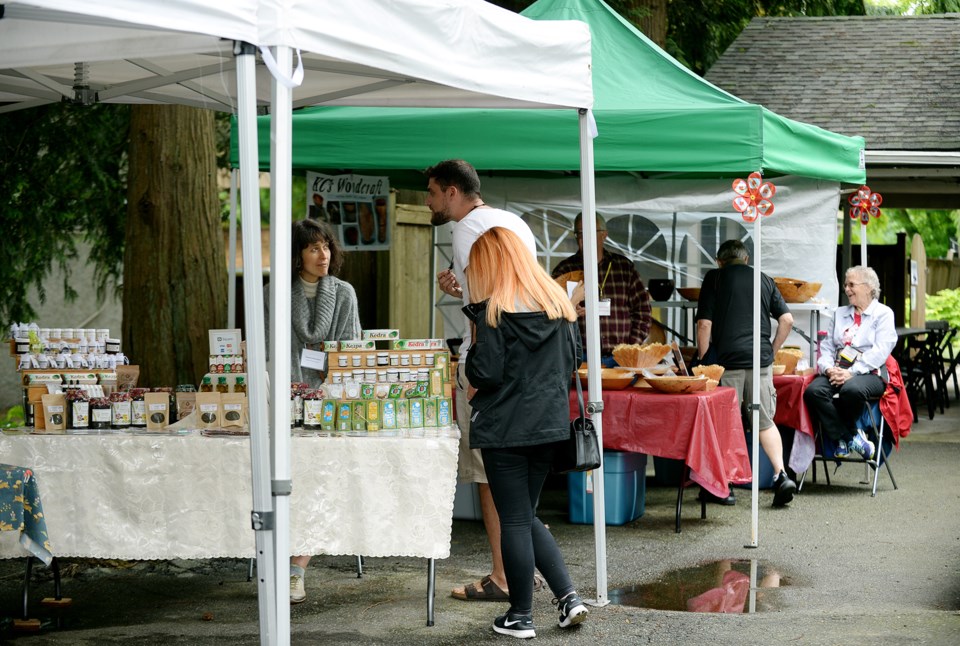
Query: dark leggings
[(837, 415), (516, 476)]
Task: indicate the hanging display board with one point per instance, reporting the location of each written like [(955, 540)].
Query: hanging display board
[(354, 205)]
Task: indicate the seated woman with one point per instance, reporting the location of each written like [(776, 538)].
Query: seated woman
[(852, 363)]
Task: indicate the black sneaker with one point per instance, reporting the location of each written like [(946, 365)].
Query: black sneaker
[(783, 489), (572, 610), (520, 626)]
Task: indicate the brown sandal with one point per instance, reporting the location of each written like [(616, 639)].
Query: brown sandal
[(488, 591)]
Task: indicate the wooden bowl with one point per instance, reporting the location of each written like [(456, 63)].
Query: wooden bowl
[(778, 369), (678, 385), (689, 293), (788, 358), (570, 276), (712, 384), (712, 371), (795, 290), (610, 378)]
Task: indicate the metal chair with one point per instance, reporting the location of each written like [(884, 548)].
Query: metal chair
[(946, 365), (872, 422)]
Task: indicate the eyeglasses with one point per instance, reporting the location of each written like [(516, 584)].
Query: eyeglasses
[(845, 285)]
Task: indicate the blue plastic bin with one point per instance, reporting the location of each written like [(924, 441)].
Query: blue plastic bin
[(766, 469), (625, 489)]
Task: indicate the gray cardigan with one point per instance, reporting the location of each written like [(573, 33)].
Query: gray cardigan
[(332, 317)]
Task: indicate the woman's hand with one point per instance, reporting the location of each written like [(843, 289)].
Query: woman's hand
[(838, 376)]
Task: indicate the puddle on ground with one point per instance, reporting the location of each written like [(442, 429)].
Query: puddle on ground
[(729, 585)]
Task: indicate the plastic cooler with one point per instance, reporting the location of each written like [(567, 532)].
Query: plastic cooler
[(766, 469), (625, 489)]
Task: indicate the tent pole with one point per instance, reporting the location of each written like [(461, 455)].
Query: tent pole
[(262, 513), (755, 392), (232, 263), (863, 244), (281, 137), (594, 396)]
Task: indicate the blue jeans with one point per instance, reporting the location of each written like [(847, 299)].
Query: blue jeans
[(516, 476)]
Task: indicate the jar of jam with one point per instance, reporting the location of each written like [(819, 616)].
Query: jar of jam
[(120, 409), (78, 409), (101, 416), (138, 408), (312, 411)]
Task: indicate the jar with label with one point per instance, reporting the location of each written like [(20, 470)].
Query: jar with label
[(222, 386), (78, 409), (371, 360), (383, 359), (394, 359), (240, 385), (101, 416), (206, 386), (369, 376), (120, 409), (312, 411), (430, 360), (138, 408), (296, 406), (416, 358), (342, 360), (404, 359), (355, 360)]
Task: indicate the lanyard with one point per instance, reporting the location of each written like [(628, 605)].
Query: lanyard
[(605, 276)]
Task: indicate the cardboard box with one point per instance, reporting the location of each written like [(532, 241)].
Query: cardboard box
[(380, 335), (417, 344)]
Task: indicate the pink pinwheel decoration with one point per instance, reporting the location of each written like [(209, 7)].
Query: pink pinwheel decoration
[(753, 196), (863, 204)]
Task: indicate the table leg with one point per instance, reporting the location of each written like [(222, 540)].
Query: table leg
[(431, 588), (26, 587)]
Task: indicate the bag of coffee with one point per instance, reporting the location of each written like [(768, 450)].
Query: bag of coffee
[(55, 412), (157, 407), (208, 410), (234, 407)]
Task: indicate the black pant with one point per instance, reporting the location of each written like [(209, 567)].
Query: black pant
[(837, 408), (516, 476)]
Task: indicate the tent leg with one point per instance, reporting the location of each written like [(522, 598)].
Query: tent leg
[(431, 588)]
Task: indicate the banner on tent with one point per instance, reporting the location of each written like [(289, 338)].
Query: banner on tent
[(356, 206)]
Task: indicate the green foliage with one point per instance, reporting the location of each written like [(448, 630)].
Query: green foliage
[(62, 178), (945, 306), (12, 417)]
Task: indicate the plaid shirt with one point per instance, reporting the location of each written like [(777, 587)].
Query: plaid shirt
[(629, 320)]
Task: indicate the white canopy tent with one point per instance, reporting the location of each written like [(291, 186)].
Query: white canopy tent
[(449, 53)]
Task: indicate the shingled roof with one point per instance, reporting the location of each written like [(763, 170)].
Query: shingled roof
[(894, 80)]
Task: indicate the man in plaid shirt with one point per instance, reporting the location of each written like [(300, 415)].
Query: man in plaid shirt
[(620, 284)]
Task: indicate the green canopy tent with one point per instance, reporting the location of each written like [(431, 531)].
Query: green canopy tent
[(652, 115)]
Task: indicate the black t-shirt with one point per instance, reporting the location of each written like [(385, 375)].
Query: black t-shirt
[(726, 299)]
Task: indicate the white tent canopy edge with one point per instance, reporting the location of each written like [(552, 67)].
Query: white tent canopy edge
[(484, 74)]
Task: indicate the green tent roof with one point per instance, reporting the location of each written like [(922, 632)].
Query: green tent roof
[(653, 115)]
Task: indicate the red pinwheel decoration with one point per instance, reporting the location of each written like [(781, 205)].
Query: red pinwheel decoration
[(863, 204), (753, 196)]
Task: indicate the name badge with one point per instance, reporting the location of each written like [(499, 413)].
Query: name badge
[(313, 359), (603, 308)]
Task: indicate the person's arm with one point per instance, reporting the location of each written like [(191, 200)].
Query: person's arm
[(485, 360), (784, 326), (704, 330)]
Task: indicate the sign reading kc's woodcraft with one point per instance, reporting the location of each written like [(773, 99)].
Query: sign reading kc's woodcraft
[(354, 205)]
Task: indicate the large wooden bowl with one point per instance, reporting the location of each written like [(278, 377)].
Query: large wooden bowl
[(795, 290), (712, 371), (570, 276), (678, 385), (610, 378), (788, 358), (689, 293)]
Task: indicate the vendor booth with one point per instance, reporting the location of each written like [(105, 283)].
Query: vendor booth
[(672, 143), (251, 56)]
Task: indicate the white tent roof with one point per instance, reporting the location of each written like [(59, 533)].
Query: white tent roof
[(431, 53)]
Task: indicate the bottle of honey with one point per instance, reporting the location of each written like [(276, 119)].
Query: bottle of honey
[(222, 386), (206, 386), (240, 385)]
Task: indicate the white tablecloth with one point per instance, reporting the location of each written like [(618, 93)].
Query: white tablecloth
[(160, 497)]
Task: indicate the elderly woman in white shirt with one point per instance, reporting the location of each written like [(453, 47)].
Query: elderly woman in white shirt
[(852, 364)]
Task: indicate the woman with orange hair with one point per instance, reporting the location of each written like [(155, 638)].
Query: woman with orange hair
[(525, 348)]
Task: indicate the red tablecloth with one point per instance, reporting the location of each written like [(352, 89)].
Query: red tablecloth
[(792, 411), (702, 429)]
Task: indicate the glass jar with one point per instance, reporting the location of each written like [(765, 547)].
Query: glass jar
[(240, 385), (101, 416), (78, 409), (296, 406), (206, 386), (138, 408), (222, 386), (312, 411), (120, 409)]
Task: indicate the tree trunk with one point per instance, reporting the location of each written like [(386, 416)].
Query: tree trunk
[(652, 19), (175, 278)]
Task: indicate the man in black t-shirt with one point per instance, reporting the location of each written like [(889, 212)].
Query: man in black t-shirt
[(725, 321)]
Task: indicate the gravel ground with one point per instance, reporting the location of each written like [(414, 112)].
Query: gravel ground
[(855, 570)]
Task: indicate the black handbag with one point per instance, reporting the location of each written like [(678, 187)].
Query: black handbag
[(582, 451)]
